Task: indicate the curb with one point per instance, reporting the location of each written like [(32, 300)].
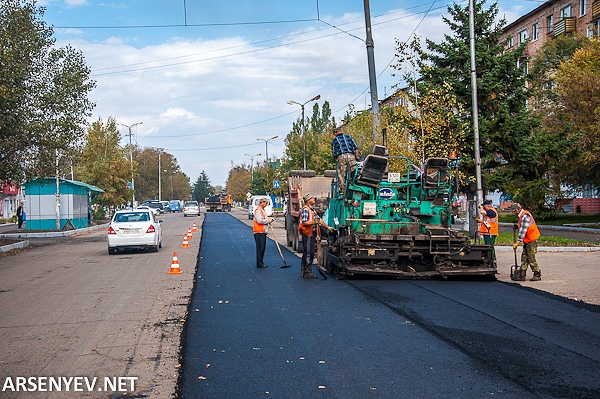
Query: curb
[(553, 249)]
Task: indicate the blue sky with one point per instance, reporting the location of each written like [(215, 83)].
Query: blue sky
[(209, 79)]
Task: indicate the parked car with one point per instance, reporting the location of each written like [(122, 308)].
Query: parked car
[(155, 211), (191, 208), (165, 208), (155, 205), (175, 205), (134, 229), (254, 201)]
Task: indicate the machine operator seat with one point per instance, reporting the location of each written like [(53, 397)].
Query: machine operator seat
[(374, 168)]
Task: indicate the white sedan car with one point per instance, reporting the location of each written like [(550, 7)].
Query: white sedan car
[(134, 229), (191, 208)]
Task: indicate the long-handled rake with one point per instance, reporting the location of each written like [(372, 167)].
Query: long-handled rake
[(285, 265)]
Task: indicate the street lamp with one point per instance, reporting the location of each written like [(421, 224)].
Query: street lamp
[(252, 164), (291, 102), (266, 149), (131, 160), (159, 175)]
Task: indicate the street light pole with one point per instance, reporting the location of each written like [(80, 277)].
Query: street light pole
[(131, 160), (304, 125), (252, 164), (159, 175), (266, 148)]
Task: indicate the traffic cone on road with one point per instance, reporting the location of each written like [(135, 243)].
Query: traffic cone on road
[(194, 230), (175, 265), (190, 234), (185, 241)]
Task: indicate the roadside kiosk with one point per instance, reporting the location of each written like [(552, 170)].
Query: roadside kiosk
[(75, 200)]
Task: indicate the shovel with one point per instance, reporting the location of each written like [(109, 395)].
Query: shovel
[(515, 268), (285, 265)]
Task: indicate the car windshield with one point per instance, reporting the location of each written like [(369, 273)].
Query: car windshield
[(132, 217), (154, 205), (191, 204)]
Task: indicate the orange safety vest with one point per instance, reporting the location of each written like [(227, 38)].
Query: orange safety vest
[(493, 223), (307, 230), (533, 233), (259, 228)]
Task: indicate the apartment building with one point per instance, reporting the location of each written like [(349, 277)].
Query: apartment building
[(551, 19)]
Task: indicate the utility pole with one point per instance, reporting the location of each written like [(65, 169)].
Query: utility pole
[(131, 160), (372, 76), (475, 111)]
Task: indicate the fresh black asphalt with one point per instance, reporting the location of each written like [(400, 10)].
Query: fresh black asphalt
[(267, 333)]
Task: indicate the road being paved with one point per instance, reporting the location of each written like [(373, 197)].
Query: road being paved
[(68, 309), (255, 333)]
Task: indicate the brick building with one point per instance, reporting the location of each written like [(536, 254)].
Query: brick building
[(551, 19)]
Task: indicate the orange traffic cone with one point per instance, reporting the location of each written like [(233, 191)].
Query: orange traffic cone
[(185, 241), (190, 234), (194, 230), (175, 265)]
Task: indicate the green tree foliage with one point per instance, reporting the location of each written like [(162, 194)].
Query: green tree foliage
[(43, 95), (202, 188), (513, 148), (105, 164), (317, 139)]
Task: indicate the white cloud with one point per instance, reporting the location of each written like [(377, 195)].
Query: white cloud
[(206, 101)]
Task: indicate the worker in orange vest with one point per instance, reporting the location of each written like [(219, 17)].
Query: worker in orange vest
[(528, 235), (309, 221), (260, 236), (489, 224)]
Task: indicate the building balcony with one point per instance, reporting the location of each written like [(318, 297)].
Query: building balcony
[(596, 10), (565, 25)]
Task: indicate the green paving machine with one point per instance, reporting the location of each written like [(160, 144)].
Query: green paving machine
[(399, 223)]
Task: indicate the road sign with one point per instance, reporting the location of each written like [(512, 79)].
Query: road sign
[(276, 184)]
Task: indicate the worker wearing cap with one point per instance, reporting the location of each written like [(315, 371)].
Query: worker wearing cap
[(306, 228), (260, 236), (489, 224), (528, 235), (345, 152)]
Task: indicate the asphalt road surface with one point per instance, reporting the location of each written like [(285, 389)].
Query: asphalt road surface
[(70, 310), (255, 333)]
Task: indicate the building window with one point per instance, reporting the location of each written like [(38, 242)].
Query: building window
[(582, 7), (550, 23), (523, 36), (510, 42), (536, 31), (590, 31), (522, 65), (565, 12)]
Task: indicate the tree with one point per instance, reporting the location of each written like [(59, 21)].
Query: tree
[(105, 164), (511, 141), (238, 183), (318, 133), (43, 95), (202, 188), (578, 88)]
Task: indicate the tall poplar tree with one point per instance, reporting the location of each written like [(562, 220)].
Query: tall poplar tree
[(43, 95)]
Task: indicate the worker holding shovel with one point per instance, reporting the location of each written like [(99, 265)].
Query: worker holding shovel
[(306, 228), (260, 236)]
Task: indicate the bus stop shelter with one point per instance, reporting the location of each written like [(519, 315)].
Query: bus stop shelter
[(75, 199)]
